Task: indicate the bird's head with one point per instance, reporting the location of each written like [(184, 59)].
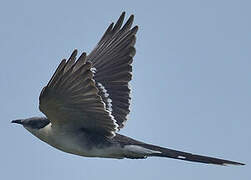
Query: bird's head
[(32, 124)]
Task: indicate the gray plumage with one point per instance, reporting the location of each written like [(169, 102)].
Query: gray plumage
[(112, 58), (86, 102)]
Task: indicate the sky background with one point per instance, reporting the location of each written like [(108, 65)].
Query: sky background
[(191, 85)]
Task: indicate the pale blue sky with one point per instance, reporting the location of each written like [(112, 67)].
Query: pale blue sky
[(191, 87)]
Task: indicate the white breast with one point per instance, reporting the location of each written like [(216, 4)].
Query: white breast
[(70, 142)]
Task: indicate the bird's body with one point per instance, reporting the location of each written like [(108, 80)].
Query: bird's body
[(86, 103), (84, 143), (75, 142)]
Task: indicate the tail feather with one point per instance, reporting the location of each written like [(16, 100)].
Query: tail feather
[(170, 153), (136, 149)]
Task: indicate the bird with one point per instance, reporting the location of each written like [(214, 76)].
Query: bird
[(86, 102)]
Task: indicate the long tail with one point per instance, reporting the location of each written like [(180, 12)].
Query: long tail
[(135, 149), (170, 153)]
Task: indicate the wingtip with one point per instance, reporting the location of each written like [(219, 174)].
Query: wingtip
[(75, 51), (73, 54), (123, 13), (136, 28), (131, 18), (122, 17)]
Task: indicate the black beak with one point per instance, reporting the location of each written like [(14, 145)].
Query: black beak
[(17, 121)]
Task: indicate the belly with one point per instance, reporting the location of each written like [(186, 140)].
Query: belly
[(78, 144), (71, 144), (80, 147)]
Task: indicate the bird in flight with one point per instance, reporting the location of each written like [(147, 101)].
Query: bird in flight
[(86, 103)]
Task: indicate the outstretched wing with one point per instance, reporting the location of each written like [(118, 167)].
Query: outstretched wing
[(112, 59), (71, 98)]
